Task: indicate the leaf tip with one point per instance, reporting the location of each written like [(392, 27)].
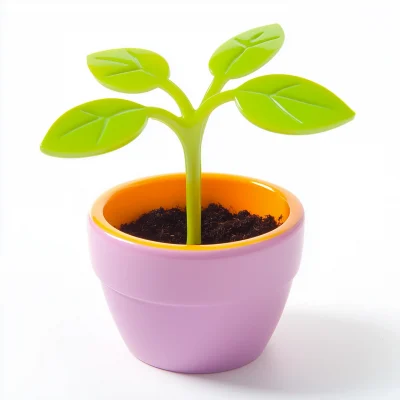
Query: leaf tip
[(44, 147), (89, 60), (277, 26), (350, 113), (278, 30)]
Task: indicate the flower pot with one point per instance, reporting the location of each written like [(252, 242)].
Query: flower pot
[(196, 309)]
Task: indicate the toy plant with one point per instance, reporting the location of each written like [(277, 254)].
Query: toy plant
[(279, 103)]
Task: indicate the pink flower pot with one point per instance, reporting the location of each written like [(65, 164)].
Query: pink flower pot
[(196, 309)]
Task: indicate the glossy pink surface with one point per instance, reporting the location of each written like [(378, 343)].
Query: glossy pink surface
[(200, 311)]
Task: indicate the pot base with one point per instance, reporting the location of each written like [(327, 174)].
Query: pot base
[(199, 372), (197, 339)]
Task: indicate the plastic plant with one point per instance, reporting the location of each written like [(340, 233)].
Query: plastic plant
[(278, 103)]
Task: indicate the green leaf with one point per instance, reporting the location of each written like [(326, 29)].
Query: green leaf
[(247, 52), (95, 128), (291, 105), (128, 70)]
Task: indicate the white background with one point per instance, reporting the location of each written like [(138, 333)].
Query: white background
[(339, 337)]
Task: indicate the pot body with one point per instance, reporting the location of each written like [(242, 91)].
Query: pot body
[(196, 309)]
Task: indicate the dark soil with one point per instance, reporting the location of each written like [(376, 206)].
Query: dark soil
[(218, 225)]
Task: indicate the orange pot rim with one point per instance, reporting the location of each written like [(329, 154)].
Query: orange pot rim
[(296, 214)]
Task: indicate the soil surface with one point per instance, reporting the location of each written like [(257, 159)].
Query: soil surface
[(218, 225)]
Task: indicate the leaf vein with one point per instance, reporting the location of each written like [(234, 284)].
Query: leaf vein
[(124, 72), (125, 112), (114, 60), (283, 109), (256, 35), (301, 101), (81, 126), (238, 41), (135, 60), (270, 39), (253, 42), (89, 113), (103, 129), (235, 59), (285, 87)]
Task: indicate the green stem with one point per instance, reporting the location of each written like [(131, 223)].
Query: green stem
[(190, 130), (166, 117), (216, 86), (190, 136), (179, 96), (208, 106), (191, 143)]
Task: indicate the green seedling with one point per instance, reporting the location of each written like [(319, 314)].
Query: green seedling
[(278, 103)]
